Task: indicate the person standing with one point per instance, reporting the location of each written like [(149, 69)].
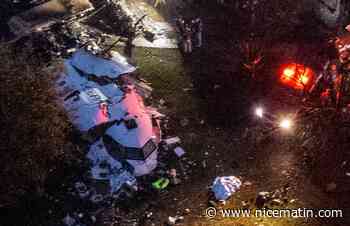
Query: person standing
[(187, 39), (198, 28), (180, 27), (131, 34), (330, 82)]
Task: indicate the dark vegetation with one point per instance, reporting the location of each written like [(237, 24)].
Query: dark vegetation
[(245, 44), (36, 153), (9, 8)]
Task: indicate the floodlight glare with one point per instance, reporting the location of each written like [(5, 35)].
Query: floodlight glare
[(259, 112), (285, 124)]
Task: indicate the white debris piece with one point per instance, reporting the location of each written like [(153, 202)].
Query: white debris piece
[(161, 101), (120, 59), (118, 180), (179, 151), (98, 154), (85, 108), (144, 167), (71, 50), (133, 109), (247, 183), (224, 187), (115, 173), (98, 66), (174, 220), (87, 104), (172, 140)]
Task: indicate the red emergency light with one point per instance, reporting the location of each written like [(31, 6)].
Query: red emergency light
[(297, 76)]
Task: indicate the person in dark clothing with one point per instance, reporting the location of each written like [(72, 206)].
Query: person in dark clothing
[(180, 26), (329, 80), (129, 45), (197, 27), (187, 39)]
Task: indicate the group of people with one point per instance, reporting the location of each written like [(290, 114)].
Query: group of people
[(334, 81), (190, 33), (329, 83)]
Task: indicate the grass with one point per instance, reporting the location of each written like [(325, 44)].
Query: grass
[(164, 69)]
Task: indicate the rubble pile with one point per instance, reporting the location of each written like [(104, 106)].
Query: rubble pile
[(97, 106), (63, 33), (81, 28), (63, 39), (42, 17), (121, 22), (105, 103)]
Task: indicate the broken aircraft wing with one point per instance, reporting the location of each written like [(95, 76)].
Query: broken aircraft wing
[(91, 64)]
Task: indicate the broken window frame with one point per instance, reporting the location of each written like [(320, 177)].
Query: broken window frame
[(147, 153), (118, 151)]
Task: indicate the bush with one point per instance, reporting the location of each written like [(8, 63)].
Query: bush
[(34, 129)]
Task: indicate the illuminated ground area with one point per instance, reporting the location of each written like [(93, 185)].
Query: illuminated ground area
[(268, 165)]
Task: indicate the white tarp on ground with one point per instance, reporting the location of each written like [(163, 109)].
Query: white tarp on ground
[(224, 187), (98, 66)]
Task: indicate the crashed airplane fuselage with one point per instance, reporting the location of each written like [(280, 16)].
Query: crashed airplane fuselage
[(115, 115)]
